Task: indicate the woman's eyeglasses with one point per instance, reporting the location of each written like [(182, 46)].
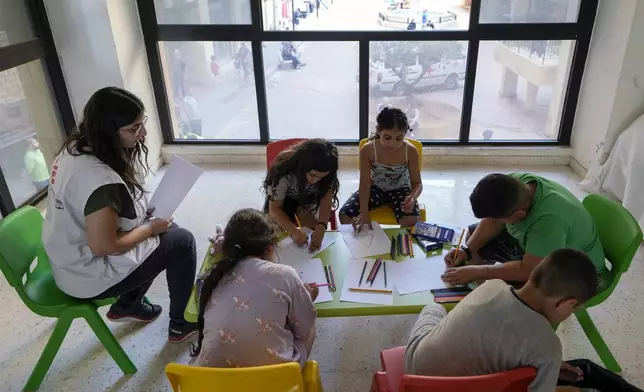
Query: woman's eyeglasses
[(135, 129)]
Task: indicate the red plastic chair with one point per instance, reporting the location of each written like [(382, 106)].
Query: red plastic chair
[(272, 151), (393, 379)]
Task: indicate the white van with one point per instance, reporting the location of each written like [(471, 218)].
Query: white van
[(445, 73)]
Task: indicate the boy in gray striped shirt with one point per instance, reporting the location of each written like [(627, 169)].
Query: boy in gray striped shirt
[(497, 328)]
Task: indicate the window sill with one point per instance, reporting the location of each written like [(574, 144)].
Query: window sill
[(434, 155)]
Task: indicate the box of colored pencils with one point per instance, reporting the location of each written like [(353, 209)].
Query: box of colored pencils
[(428, 245), (433, 232), (450, 295)]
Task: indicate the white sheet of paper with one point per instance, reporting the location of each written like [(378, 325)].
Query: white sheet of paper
[(312, 271), (287, 250), (416, 275), (352, 278), (177, 181), (367, 243)]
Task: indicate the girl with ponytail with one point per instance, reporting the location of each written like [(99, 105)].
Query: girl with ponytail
[(253, 311)]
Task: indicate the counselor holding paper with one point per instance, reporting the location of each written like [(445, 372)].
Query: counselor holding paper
[(98, 233)]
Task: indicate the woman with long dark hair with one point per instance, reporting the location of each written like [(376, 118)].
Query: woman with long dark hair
[(98, 233)]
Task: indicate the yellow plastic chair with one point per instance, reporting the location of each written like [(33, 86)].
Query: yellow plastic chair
[(285, 377), (385, 214)]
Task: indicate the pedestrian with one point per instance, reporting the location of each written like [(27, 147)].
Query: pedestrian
[(214, 67), (425, 19), (244, 59), (179, 73), (412, 25), (289, 53), (35, 165), (191, 109)]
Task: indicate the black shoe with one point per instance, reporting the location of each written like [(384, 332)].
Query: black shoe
[(177, 333), (143, 312)]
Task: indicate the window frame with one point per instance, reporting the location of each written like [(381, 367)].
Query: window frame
[(40, 48), (579, 32)]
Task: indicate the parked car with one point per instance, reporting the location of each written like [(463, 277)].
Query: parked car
[(445, 72)]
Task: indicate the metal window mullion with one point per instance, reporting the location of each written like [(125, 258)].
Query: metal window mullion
[(363, 89)]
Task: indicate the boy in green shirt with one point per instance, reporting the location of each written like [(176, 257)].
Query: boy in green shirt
[(524, 217)]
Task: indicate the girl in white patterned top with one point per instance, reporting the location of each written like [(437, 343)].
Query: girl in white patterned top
[(303, 182), (252, 311)]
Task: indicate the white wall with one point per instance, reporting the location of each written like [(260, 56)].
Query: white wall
[(609, 100), (100, 43), (86, 48), (133, 64)]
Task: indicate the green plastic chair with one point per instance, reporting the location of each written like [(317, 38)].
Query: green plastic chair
[(26, 267), (621, 236)]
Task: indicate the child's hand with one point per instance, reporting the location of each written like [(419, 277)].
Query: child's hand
[(313, 291), (316, 238), (570, 373), (362, 220), (300, 238), (217, 241), (408, 204)]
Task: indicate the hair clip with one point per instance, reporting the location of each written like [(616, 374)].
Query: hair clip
[(237, 246)]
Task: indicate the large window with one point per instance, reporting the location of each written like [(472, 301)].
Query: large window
[(466, 72), (317, 97), (34, 107)]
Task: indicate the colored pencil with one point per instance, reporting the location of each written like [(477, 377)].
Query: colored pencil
[(377, 291), (460, 241), (332, 278), (392, 252), (400, 245), (384, 269), (451, 294), (404, 245), (441, 300), (363, 270), (411, 245), (320, 285), (326, 274), (452, 290), (378, 262), (373, 268)]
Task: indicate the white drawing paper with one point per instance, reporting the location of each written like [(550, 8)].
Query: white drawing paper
[(418, 274), (288, 251), (367, 242), (352, 280), (177, 181), (312, 271)]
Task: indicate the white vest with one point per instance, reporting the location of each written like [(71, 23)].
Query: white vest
[(76, 270)]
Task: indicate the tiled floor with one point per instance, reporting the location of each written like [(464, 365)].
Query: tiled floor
[(346, 348)]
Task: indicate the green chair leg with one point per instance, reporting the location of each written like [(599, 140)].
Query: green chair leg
[(48, 354), (597, 341), (112, 345)]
